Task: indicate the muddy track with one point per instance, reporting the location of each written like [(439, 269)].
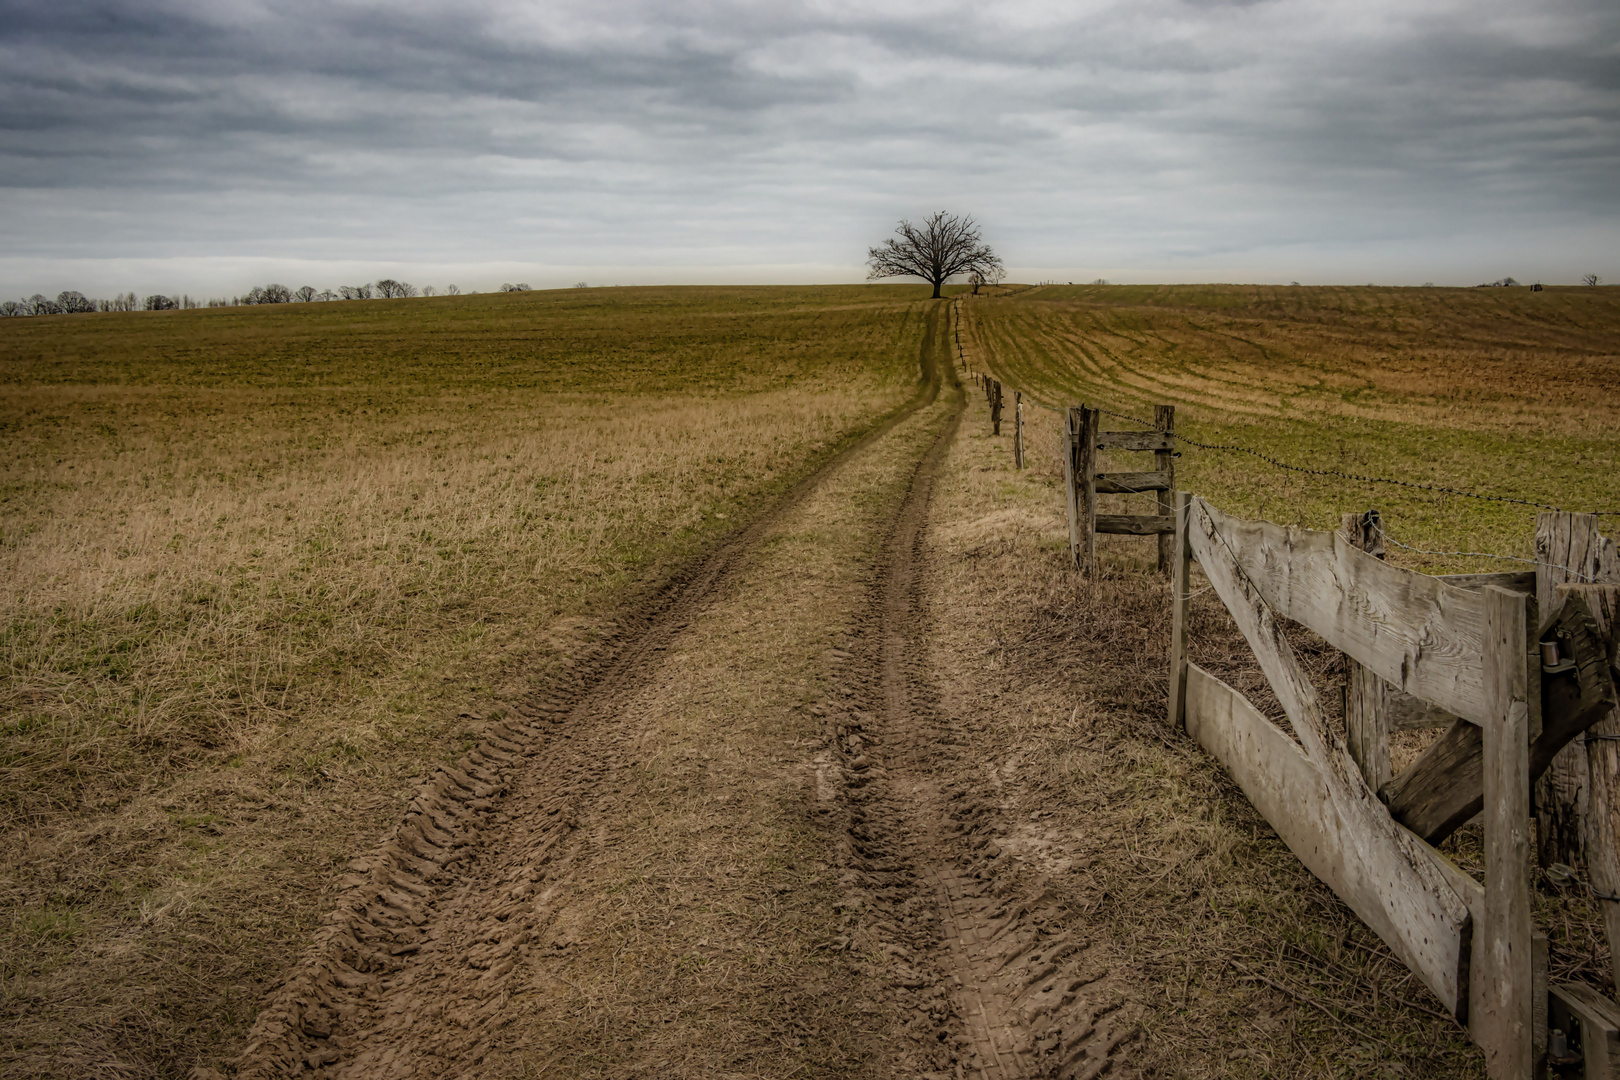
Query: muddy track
[(408, 975), (927, 873)]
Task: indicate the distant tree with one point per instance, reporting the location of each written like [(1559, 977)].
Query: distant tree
[(355, 292), (580, 285), (427, 290), (451, 290), (945, 245), (11, 309), (43, 305), (326, 294), (389, 289), (74, 303), (160, 302), (305, 294), (1591, 279), (522, 286)]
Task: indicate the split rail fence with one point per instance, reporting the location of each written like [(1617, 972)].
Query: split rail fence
[(1518, 668)]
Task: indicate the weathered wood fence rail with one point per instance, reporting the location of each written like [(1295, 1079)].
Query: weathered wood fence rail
[(1516, 690)]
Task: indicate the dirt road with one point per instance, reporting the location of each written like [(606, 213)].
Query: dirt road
[(742, 842)]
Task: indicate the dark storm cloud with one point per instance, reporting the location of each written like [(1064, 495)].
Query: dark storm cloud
[(1155, 134)]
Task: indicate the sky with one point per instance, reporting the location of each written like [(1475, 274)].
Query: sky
[(206, 146)]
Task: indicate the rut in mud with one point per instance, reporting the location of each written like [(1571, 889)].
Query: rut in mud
[(1022, 988), (740, 841)]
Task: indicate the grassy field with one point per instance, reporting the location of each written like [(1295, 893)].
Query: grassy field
[(263, 566), (1503, 391)]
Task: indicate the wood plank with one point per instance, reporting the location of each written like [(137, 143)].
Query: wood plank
[(1134, 440), (1086, 463), (1444, 787), (1509, 972), (1407, 900), (1391, 880), (1513, 580), (1129, 483), (1164, 461), (1599, 1022), (1018, 429), (1180, 586), (1366, 696), (1135, 524), (1407, 713), (1603, 767), (1416, 632)]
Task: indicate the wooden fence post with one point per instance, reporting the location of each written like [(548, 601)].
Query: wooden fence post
[(1569, 548), (1603, 764), (1366, 696), (995, 407), (1181, 567), (1018, 429), (1071, 479), (1164, 418), (1087, 494), (1506, 1028)]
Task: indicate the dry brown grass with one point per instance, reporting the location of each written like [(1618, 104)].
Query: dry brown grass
[(263, 567), (1244, 965)]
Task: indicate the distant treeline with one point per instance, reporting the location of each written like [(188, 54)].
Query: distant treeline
[(76, 303)]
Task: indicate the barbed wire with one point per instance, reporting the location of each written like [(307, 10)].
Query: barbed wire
[(1579, 575)]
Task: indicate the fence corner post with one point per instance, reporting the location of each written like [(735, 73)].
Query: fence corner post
[(1180, 571), (1507, 1027), (1164, 418)]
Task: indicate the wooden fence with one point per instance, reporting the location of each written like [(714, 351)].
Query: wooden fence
[(1519, 668), (1467, 650)]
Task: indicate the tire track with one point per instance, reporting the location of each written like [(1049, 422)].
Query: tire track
[(1026, 992), (409, 973)]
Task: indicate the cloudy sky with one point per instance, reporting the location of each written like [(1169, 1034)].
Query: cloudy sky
[(209, 145)]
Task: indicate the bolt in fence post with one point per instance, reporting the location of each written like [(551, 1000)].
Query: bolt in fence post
[(1164, 418), (1180, 571)]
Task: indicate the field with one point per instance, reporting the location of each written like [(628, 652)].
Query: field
[(682, 682), (264, 566), (1501, 391)]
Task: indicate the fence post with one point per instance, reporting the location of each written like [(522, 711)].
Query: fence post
[(1603, 761), (1018, 429), (1366, 697), (1071, 479), (1181, 567), (1570, 549), (1164, 418), (995, 407), (1506, 1028), (1086, 482)]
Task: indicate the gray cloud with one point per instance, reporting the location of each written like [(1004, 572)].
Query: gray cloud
[(1334, 140)]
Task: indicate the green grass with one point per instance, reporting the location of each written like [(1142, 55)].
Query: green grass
[(1498, 391)]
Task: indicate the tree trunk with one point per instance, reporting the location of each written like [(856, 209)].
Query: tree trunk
[(937, 284)]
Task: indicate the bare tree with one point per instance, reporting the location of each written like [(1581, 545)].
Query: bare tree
[(943, 246), (522, 286), (1591, 279), (159, 302), (428, 290), (389, 289), (580, 285), (451, 290), (305, 294), (355, 292)]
